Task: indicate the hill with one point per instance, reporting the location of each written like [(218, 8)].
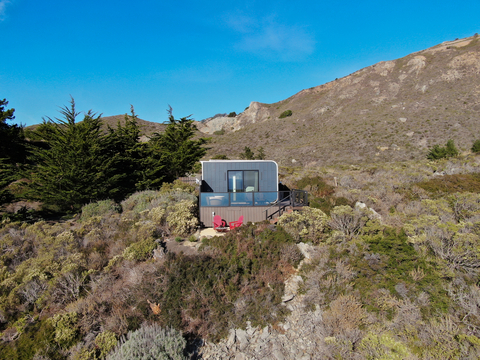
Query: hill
[(391, 111)]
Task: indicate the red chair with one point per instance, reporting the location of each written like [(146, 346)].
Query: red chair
[(235, 224), (219, 224)]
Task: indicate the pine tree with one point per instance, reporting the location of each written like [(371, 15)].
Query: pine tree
[(12, 145), (176, 150), (12, 151), (124, 158), (71, 171)]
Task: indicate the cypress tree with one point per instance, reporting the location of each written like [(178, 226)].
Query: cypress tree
[(70, 172), (124, 158), (176, 149)]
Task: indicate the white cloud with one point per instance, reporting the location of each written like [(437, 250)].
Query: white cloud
[(3, 5), (268, 38)]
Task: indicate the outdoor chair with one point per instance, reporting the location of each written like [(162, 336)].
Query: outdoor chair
[(235, 224), (219, 224)]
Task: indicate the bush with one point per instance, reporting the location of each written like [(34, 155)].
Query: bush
[(285, 114), (438, 152), (476, 146), (100, 208), (308, 224), (182, 219), (141, 250), (347, 220), (150, 342), (232, 114)]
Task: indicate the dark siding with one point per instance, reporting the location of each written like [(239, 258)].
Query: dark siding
[(215, 173)]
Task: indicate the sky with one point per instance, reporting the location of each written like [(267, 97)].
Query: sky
[(202, 57)]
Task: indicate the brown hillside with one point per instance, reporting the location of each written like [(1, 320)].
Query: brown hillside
[(393, 110)]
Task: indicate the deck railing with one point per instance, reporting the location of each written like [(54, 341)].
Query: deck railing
[(277, 201), (261, 198)]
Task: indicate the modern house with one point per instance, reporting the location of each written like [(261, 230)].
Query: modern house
[(231, 188)]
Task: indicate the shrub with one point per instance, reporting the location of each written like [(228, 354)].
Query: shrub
[(232, 114), (220, 157), (347, 220), (140, 250), (438, 152), (150, 342), (316, 186), (383, 346), (452, 184), (285, 114), (66, 329), (182, 219), (100, 208), (308, 224), (105, 342), (476, 146)]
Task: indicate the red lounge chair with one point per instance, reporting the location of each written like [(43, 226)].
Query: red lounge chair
[(235, 224), (219, 224)]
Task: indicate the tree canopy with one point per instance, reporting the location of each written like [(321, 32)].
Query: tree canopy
[(81, 163)]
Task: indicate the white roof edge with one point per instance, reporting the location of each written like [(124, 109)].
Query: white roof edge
[(219, 160)]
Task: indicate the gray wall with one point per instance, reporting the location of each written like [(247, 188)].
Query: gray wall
[(214, 173)]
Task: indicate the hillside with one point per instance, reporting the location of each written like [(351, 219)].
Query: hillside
[(393, 110)]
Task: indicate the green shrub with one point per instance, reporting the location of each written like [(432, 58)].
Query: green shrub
[(384, 347), (219, 132), (140, 250), (182, 218), (220, 157), (100, 208), (476, 146), (308, 224), (66, 330), (105, 342), (150, 342), (315, 186), (438, 152), (285, 114), (232, 114), (452, 184)]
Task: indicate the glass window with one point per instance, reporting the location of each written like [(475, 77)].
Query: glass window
[(243, 181)]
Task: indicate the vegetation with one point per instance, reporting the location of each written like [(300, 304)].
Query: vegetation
[(438, 152), (12, 151), (285, 114), (393, 276), (476, 146), (71, 163), (248, 154)]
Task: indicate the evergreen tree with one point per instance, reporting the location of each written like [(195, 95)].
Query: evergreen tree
[(176, 151), (439, 152), (12, 151), (247, 154), (124, 158), (12, 146), (71, 172)]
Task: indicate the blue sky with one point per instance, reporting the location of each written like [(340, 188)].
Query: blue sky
[(202, 57)]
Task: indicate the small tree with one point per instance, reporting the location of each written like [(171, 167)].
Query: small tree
[(247, 154), (261, 154), (438, 152), (476, 146), (12, 147)]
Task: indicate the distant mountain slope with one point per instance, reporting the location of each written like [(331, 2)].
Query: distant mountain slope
[(393, 110)]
